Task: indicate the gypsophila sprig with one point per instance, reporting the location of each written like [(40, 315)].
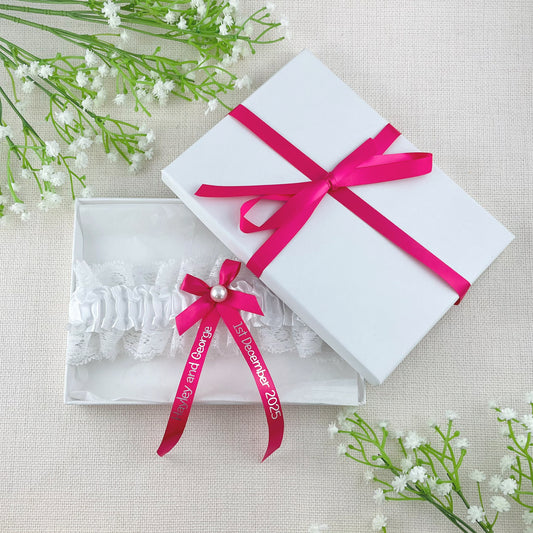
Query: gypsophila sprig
[(85, 89), (408, 466), (517, 464)]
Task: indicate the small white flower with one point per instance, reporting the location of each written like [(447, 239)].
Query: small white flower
[(432, 422), (451, 415), (461, 443), (507, 462), (114, 21), (499, 504), (332, 430), (100, 97), (150, 136), (284, 23), (81, 79), (87, 103), (341, 447), (64, 117), (529, 397), (110, 8), (508, 486), (521, 440), (495, 483), (200, 7), (379, 522), (228, 61), (52, 148), (112, 156), (5, 131), (182, 23), (406, 464), (379, 496), (417, 474), (399, 434), (28, 86), (119, 99), (2, 199), (223, 29), (26, 174), (234, 4), (493, 404), (125, 36), (34, 68), (46, 172), (413, 441), (478, 476), (475, 514), (248, 30), (4, 221), (25, 216), (97, 83), (504, 430), (384, 424), (45, 71), (103, 70), (81, 161), (15, 187), (211, 105), (49, 200), (58, 178), (369, 475), (243, 83), (443, 489), (527, 518), (270, 6), (87, 192), (91, 59), (21, 71), (507, 414), (399, 483), (170, 17), (527, 420), (17, 208)]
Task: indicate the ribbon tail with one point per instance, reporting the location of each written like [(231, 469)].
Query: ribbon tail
[(188, 383), (262, 377)]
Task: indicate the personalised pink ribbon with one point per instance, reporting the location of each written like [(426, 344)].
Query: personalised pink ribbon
[(365, 165), (214, 303)]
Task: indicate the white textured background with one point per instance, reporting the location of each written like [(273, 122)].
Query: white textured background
[(455, 77)]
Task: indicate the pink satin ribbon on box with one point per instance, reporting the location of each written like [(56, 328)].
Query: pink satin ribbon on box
[(365, 165), (209, 312)]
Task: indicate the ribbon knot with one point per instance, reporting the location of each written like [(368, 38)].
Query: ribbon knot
[(367, 164), (333, 182), (223, 303)]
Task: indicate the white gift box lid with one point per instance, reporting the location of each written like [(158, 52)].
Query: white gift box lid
[(369, 300)]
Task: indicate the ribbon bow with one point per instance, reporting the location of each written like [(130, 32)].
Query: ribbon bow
[(214, 303), (367, 164)]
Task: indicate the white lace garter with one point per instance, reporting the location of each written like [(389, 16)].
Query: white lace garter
[(120, 308)]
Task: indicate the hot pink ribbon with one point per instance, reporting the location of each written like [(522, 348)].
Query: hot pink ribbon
[(365, 165), (209, 312)]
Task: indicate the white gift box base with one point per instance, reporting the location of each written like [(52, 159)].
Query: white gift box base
[(140, 230), (366, 298)]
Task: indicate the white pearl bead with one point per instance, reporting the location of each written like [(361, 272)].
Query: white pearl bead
[(218, 293)]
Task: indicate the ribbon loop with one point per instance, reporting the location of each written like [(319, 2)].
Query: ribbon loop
[(209, 312), (367, 164)]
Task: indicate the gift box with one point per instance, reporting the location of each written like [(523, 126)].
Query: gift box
[(129, 259), (361, 292)]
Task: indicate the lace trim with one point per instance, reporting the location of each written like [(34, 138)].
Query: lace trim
[(121, 308)]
